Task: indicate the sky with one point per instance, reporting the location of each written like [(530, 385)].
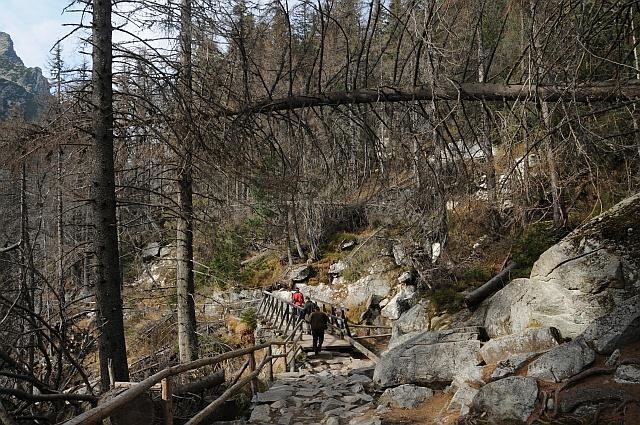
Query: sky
[(34, 27)]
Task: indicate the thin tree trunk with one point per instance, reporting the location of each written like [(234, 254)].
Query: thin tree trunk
[(296, 233), (187, 339), (559, 212), (112, 346), (485, 140)]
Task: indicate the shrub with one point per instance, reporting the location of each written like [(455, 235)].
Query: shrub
[(249, 317)]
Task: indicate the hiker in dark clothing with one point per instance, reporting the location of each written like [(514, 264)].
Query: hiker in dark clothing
[(305, 313), (318, 322)]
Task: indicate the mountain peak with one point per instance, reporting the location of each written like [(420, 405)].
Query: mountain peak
[(7, 51)]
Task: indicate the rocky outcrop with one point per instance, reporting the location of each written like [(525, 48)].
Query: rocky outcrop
[(300, 274), (507, 400), (619, 327), (510, 366), (20, 86), (586, 275), (628, 374), (401, 302), (448, 352), (533, 340), (414, 319), (562, 362), (373, 285)]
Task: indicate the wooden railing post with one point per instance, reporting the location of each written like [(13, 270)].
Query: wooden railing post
[(270, 365), (345, 323), (252, 368), (167, 400)]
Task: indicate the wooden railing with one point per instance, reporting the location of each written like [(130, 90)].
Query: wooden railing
[(282, 314), (248, 374)]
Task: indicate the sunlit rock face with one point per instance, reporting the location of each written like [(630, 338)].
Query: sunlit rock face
[(22, 90)]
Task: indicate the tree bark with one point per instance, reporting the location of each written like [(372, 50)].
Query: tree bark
[(604, 92), (494, 284), (107, 261), (187, 339)]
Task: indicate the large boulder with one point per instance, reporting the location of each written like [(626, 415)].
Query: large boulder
[(406, 396), (414, 319), (374, 286), (619, 327), (587, 274), (300, 274), (534, 340), (401, 302), (508, 400), (431, 359), (563, 361)]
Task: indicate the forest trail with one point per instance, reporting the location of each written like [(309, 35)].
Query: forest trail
[(330, 388)]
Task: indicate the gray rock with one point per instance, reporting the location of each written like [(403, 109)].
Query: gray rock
[(273, 395), (413, 320), (151, 251), (509, 399), (406, 396), (462, 400), (401, 302), (613, 358), (347, 245), (619, 327), (583, 401), (310, 392), (285, 419), (529, 341), (278, 404), (366, 420), (337, 268), (399, 254), (359, 379), (332, 420), (563, 361), (406, 277), (428, 358), (375, 286), (300, 274), (510, 366), (627, 374), (330, 404), (261, 413), (576, 281)]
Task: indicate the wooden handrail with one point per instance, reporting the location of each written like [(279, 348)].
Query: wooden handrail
[(203, 414), (105, 410)]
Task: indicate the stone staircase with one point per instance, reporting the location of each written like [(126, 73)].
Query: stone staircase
[(329, 388)]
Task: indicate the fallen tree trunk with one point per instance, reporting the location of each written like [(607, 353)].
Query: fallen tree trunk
[(493, 285), (213, 380), (592, 92)]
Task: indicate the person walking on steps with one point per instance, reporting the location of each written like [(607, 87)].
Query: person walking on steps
[(305, 314), (319, 322), (297, 298)]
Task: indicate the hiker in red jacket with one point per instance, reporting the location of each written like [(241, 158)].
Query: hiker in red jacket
[(297, 298)]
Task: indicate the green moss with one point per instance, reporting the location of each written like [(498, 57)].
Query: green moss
[(444, 298), (535, 240)]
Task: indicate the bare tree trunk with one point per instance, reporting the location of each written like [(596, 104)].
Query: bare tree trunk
[(559, 212), (187, 339), (485, 140), (107, 261), (287, 231), (296, 233)]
